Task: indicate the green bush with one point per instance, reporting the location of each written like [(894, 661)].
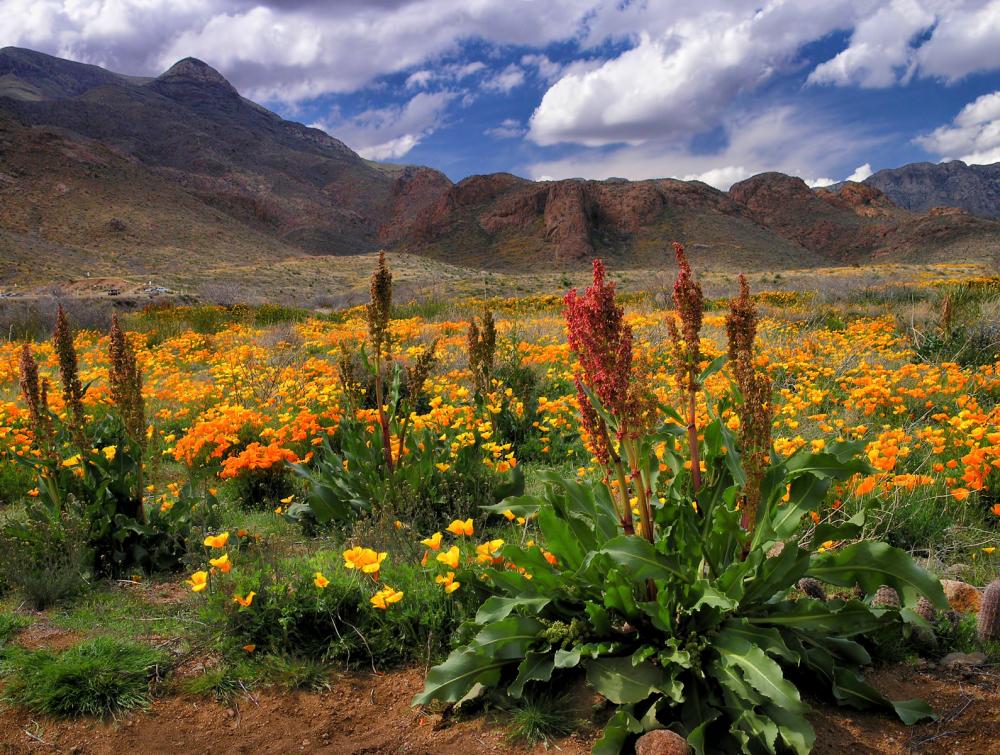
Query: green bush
[(10, 624), (98, 677), (15, 481), (46, 558), (291, 617)]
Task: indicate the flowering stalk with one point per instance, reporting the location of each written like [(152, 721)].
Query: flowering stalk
[(416, 378), (755, 411), (36, 397), (689, 302), (602, 343), (125, 379), (378, 331), (70, 376)]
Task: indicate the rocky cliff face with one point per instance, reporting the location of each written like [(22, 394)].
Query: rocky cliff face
[(921, 186)]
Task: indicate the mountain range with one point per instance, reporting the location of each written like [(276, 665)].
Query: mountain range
[(99, 169)]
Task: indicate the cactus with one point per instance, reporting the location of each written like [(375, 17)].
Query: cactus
[(988, 624), (926, 611), (885, 597), (813, 588)]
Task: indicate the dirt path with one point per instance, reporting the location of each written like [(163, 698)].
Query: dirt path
[(372, 714)]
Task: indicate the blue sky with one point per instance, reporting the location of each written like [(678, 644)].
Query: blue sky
[(716, 90)]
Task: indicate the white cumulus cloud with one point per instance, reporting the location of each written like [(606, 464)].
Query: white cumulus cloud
[(972, 137)]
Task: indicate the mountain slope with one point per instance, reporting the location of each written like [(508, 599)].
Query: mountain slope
[(136, 174), (921, 186)]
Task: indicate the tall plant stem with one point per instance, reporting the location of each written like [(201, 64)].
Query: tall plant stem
[(402, 438), (382, 419), (616, 463), (692, 432)]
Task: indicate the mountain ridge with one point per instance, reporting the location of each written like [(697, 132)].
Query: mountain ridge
[(291, 189)]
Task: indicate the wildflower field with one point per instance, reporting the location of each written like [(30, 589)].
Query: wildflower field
[(712, 516)]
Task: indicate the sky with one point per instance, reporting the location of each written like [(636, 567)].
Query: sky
[(715, 90)]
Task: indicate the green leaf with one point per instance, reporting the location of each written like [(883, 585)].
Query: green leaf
[(844, 531), (509, 638), (451, 680), (621, 682), (714, 366), (872, 564), (567, 658), (616, 732), (842, 619), (763, 674), (795, 730), (911, 711), (536, 667), (559, 538), (640, 559), (498, 607)]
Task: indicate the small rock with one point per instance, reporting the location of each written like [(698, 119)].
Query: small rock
[(661, 742), (963, 597), (954, 660)]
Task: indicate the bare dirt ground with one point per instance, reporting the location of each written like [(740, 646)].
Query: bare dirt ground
[(366, 713)]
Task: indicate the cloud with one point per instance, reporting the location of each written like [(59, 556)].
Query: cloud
[(972, 137), (683, 74), (782, 138), (546, 69), (283, 50), (946, 39), (860, 173), (391, 132), (509, 128), (509, 78)]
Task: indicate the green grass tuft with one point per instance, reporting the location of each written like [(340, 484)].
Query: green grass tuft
[(99, 677)]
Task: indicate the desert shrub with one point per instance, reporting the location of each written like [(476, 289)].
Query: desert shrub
[(98, 677), (45, 557), (291, 617), (671, 590)]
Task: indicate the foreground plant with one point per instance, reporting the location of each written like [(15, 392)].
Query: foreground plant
[(685, 621)]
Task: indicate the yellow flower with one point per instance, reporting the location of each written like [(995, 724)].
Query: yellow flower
[(320, 581), (386, 597), (288, 500), (488, 550), (458, 527), (989, 550), (433, 542), (509, 515), (221, 563), (364, 559), (217, 541), (448, 580), (960, 494), (198, 581), (449, 557), (110, 452), (72, 461), (250, 647), (442, 466), (244, 601)]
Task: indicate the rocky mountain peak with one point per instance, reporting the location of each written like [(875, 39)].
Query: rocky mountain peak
[(196, 71)]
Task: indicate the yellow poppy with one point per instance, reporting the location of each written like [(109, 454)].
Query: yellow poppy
[(320, 581), (449, 557), (433, 542), (198, 581), (386, 597), (458, 527), (217, 541), (245, 602), (222, 563)]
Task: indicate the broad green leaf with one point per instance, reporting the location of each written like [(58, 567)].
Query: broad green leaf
[(872, 564), (451, 680), (559, 538), (567, 658), (621, 682), (616, 732), (714, 366), (763, 674), (536, 667), (845, 620), (498, 607), (912, 711), (508, 638), (640, 559), (794, 730)]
